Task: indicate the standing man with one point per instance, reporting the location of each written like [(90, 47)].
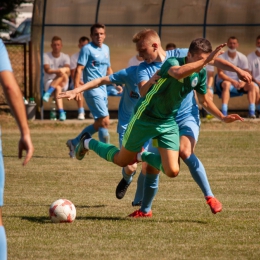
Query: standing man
[(73, 65), (56, 73), (94, 62), (15, 100), (254, 69), (228, 83)]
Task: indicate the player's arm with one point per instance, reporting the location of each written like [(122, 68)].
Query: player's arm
[(89, 85), (65, 69), (109, 71), (144, 86), (208, 104), (15, 100), (180, 72)]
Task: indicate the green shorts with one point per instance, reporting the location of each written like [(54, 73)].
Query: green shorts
[(165, 134)]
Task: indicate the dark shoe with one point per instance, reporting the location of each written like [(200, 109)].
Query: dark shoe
[(121, 189), (80, 150)]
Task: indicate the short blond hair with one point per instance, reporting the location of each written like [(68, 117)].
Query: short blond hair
[(147, 35)]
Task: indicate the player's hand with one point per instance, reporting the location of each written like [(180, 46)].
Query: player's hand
[(244, 76), (154, 78), (119, 89), (78, 97), (231, 118), (67, 94), (25, 143), (214, 54)]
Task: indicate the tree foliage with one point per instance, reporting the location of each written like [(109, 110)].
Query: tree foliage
[(9, 6)]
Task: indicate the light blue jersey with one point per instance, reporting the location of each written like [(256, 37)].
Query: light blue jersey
[(188, 106), (129, 97), (96, 61), (4, 61)]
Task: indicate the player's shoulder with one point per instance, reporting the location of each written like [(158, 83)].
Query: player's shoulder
[(64, 55)]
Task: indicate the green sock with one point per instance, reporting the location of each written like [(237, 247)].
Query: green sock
[(153, 159), (104, 150)]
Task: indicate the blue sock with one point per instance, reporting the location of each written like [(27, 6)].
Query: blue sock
[(139, 193), (61, 110), (103, 135), (3, 244), (251, 109), (90, 129), (51, 90), (198, 173), (81, 110), (128, 178), (224, 109), (150, 189)]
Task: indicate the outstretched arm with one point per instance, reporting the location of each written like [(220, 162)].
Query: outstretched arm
[(90, 85), (208, 104), (180, 72)]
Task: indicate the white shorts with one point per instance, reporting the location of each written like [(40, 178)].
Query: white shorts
[(48, 83)]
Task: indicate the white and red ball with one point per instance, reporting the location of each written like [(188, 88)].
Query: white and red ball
[(62, 211)]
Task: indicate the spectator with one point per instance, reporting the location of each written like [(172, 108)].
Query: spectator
[(170, 46), (135, 60), (254, 68), (228, 83), (73, 65), (210, 86), (15, 100), (56, 73)]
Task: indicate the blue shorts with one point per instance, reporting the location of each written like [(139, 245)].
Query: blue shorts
[(234, 92), (190, 126), (97, 105), (2, 175)]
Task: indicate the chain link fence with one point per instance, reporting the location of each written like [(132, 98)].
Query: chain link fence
[(19, 58)]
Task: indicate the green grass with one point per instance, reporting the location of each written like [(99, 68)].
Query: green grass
[(182, 226)]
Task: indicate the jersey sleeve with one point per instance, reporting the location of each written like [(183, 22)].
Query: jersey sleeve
[(180, 53), (166, 66), (202, 84), (118, 77), (142, 73), (4, 61), (83, 56)]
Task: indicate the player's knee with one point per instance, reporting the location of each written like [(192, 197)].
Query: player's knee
[(184, 153), (172, 172)]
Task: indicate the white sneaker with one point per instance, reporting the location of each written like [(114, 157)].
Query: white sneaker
[(71, 148), (81, 116)]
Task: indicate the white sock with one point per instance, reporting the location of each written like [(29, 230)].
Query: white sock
[(86, 142), (139, 157)]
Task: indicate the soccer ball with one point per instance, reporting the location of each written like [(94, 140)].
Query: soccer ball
[(62, 211)]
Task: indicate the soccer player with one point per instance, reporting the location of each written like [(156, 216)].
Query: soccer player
[(15, 100), (94, 61), (155, 115), (56, 73), (73, 65)]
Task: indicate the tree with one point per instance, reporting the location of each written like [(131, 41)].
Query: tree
[(9, 6)]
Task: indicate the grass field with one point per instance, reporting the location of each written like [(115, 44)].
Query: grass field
[(182, 226)]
